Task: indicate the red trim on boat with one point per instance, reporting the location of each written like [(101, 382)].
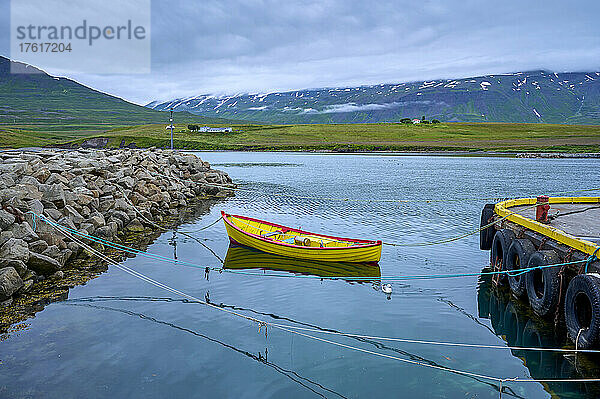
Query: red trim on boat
[(368, 243)]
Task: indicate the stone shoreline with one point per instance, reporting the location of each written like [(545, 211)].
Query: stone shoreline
[(111, 194), (593, 155)]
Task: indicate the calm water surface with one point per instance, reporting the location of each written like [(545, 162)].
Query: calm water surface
[(139, 344)]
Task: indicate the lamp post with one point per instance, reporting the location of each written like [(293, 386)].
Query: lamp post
[(171, 120)]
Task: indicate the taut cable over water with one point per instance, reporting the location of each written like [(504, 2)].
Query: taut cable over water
[(395, 244), (127, 249)]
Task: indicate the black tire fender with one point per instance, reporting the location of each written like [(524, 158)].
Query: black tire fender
[(582, 310), (500, 243), (486, 236), (513, 325), (535, 338), (543, 284), (517, 257), (496, 313)]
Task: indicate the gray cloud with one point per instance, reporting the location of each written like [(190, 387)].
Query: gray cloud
[(353, 107), (229, 46)]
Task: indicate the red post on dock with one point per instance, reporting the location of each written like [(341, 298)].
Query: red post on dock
[(543, 206)]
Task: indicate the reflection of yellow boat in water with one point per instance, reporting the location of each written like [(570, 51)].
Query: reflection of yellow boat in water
[(294, 243), (240, 257)]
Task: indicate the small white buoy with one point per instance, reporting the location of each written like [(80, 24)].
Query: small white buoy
[(386, 289)]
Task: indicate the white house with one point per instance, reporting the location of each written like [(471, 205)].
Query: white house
[(208, 129), (170, 126), (416, 121)]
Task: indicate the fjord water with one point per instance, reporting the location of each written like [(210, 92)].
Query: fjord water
[(128, 339)]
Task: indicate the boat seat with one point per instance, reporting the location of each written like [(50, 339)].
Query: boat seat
[(273, 233)]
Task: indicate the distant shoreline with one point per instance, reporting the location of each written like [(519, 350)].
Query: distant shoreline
[(449, 153), (433, 153)]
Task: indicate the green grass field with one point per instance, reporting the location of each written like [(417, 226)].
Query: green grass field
[(336, 137)]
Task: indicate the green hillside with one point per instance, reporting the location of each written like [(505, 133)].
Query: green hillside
[(370, 137), (60, 108)]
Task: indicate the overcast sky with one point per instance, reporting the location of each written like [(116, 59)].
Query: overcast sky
[(231, 46)]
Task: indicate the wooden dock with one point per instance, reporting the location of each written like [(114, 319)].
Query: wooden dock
[(556, 240), (579, 220)]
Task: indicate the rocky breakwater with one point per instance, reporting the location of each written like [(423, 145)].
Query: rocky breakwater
[(104, 193)]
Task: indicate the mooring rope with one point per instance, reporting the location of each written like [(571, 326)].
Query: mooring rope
[(395, 244), (439, 343), (165, 229), (591, 259), (417, 244), (203, 228), (460, 237), (263, 323), (111, 244)]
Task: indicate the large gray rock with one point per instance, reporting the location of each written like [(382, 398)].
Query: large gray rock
[(74, 247), (15, 249), (57, 178), (67, 222), (28, 192), (97, 220), (38, 246), (36, 206), (7, 179), (87, 228), (6, 219), (19, 167), (128, 182), (105, 203), (23, 231), (78, 181), (118, 222), (55, 194), (135, 225), (10, 282), (57, 167), (54, 214), (71, 198), (30, 180), (121, 204), (53, 238), (104, 232), (75, 216), (122, 215), (10, 194), (64, 256), (52, 251), (5, 236), (85, 212), (43, 264), (42, 174), (18, 265), (85, 200)]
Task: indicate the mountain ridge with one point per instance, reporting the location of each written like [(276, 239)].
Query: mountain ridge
[(40, 98), (537, 96)]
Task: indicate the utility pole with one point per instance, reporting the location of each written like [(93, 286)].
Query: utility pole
[(171, 127)]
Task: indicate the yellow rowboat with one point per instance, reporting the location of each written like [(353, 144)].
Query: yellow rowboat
[(239, 257), (294, 243)]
